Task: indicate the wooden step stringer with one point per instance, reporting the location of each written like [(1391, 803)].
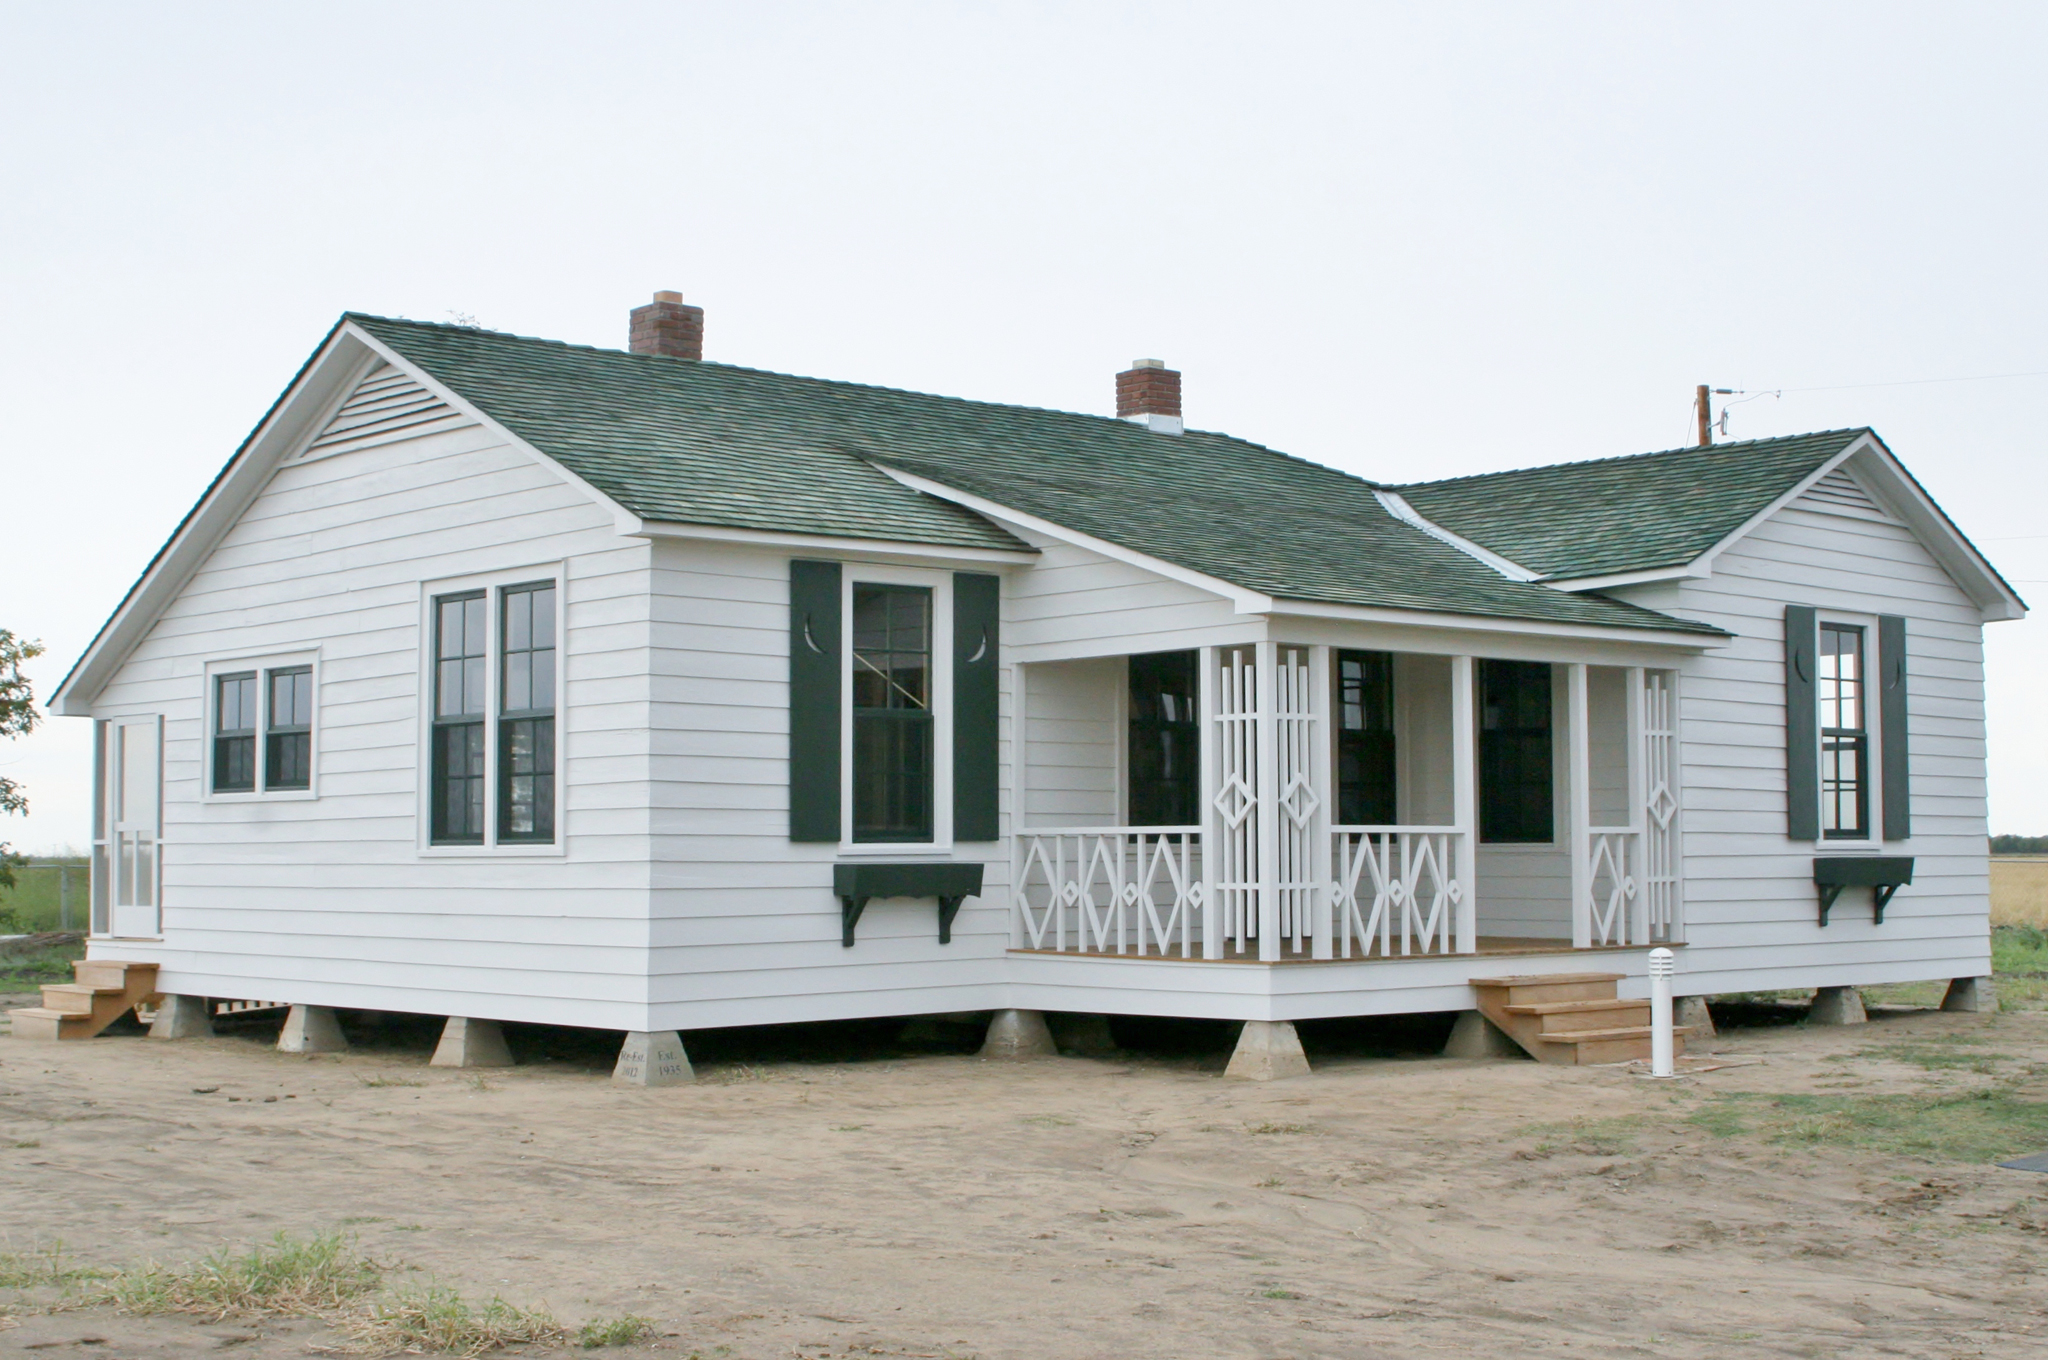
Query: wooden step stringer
[(1570, 1018), (103, 991)]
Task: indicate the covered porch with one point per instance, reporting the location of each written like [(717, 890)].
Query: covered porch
[(1292, 803)]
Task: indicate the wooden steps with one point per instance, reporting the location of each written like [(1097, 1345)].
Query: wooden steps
[(103, 991), (1570, 1018)]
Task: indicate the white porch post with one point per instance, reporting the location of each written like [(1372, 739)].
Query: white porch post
[(1206, 818), (1266, 799), (1020, 784), (1465, 799), (1322, 738), (1638, 816), (1579, 801)]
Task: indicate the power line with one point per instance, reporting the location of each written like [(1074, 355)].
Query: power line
[(1916, 382)]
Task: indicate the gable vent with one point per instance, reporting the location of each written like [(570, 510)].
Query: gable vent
[(1838, 494), (386, 406)]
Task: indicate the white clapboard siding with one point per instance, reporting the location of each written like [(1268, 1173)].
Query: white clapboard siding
[(329, 900), (386, 406), (1075, 602), (1751, 909)]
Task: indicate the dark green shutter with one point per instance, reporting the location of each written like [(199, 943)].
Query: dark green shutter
[(977, 622), (1891, 707), (1802, 724), (815, 671)]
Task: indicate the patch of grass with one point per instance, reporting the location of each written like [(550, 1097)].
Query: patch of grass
[(286, 1277), (48, 1266), (24, 972), (389, 1081), (1942, 1053), (1989, 1125), (1279, 1294), (434, 1318), (619, 1331), (27, 1143), (1588, 1137), (1049, 1121), (1279, 1128), (2021, 950)]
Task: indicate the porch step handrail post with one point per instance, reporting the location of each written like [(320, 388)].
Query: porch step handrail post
[(1266, 795), (1579, 801), (1210, 821), (1465, 800)]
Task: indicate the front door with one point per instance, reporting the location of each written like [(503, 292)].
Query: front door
[(136, 788)]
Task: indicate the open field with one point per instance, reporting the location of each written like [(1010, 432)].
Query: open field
[(827, 1191), (48, 894), (2019, 892)]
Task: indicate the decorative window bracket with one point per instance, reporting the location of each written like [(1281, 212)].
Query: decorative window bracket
[(951, 884), (1882, 874)]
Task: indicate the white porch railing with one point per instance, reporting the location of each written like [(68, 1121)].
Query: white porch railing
[(1613, 886), (1110, 890), (1404, 881)]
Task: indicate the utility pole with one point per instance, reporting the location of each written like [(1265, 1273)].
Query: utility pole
[(1703, 408)]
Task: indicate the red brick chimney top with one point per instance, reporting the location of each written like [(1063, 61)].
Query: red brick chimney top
[(1149, 391), (668, 327)]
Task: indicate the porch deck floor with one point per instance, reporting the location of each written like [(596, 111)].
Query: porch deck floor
[(1488, 944)]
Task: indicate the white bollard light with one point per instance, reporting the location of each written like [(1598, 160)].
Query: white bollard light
[(1661, 961)]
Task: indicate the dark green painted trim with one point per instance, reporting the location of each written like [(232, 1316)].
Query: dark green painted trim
[(1884, 875), (977, 652), (815, 679), (1802, 724), (855, 884), (1891, 707)]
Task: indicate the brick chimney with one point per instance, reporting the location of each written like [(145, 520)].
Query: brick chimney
[(1148, 392), (668, 327)]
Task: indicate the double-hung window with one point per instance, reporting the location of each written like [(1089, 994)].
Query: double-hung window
[(262, 729), (1844, 734), (491, 739), (526, 715), (894, 751)]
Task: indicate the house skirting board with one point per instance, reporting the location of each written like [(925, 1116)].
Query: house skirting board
[(1025, 980)]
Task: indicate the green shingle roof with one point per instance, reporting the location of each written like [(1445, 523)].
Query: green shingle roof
[(1624, 514), (695, 442)]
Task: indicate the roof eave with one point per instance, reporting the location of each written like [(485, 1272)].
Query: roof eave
[(313, 390)]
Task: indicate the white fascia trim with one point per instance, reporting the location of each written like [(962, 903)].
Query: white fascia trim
[(1895, 489), (1476, 623), (1245, 601), (1574, 584), (320, 383), (1398, 506), (1900, 492), (626, 521), (827, 543)]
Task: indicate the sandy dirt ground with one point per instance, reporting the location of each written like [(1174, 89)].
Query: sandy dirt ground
[(1136, 1206)]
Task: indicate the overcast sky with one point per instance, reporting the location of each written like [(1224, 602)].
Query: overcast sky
[(1411, 241)]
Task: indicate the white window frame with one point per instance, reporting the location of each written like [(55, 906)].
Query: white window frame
[(1873, 737), (940, 583), (493, 584), (263, 664)]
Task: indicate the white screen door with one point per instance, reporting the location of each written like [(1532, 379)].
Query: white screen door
[(137, 797)]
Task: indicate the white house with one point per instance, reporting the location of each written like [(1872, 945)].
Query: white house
[(503, 679)]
